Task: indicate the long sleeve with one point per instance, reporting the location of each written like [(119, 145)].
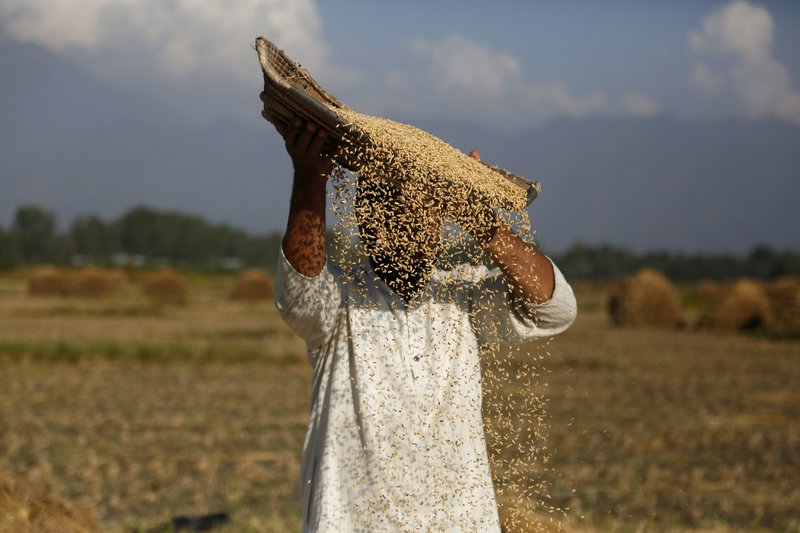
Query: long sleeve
[(307, 305), (501, 316)]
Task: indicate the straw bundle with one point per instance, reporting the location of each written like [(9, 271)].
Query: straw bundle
[(646, 298), (252, 285), (48, 281), (23, 512), (165, 286), (380, 147), (784, 299), (741, 306), (94, 282)]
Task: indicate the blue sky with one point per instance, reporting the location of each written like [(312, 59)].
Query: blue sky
[(507, 64)]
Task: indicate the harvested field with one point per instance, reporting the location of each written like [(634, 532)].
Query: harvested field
[(142, 412), (24, 512)]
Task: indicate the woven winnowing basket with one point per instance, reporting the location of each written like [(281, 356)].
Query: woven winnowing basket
[(290, 91)]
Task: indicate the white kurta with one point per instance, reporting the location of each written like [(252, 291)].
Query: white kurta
[(395, 439)]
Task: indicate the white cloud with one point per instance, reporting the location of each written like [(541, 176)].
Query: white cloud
[(558, 96), (739, 28), (734, 50), (491, 85), (639, 105), (705, 79), (177, 38), (457, 64)]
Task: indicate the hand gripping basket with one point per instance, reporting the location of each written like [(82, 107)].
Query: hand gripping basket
[(290, 91)]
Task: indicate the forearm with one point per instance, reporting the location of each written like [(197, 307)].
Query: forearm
[(530, 273), (304, 241)]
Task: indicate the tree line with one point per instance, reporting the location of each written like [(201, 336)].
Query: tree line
[(606, 262), (146, 236), (142, 236)]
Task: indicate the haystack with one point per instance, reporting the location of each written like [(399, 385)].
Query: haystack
[(48, 281), (784, 300), (94, 282), (252, 285), (646, 298), (741, 306), (24, 512), (166, 286)]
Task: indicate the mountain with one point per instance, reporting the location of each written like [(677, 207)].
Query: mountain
[(653, 183), (76, 144)]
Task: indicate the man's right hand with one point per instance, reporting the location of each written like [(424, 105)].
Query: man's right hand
[(304, 241), (304, 143)]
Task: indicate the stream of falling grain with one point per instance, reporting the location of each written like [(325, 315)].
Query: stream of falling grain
[(404, 204)]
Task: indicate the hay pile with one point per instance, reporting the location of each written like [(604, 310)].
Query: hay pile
[(48, 281), (784, 300), (252, 285), (24, 512), (94, 282), (88, 282), (646, 298), (165, 286), (743, 305)]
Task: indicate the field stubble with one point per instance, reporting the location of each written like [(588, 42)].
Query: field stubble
[(143, 412)]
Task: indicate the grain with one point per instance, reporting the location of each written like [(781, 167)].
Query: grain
[(410, 204), (402, 153), (413, 200), (402, 212)]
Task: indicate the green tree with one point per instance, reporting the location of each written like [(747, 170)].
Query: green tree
[(9, 253), (139, 232), (189, 240), (92, 237), (762, 262), (35, 233)]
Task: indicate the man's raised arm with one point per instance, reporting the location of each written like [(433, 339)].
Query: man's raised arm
[(530, 273), (304, 241)]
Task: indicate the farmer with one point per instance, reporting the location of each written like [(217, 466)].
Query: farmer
[(395, 440)]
